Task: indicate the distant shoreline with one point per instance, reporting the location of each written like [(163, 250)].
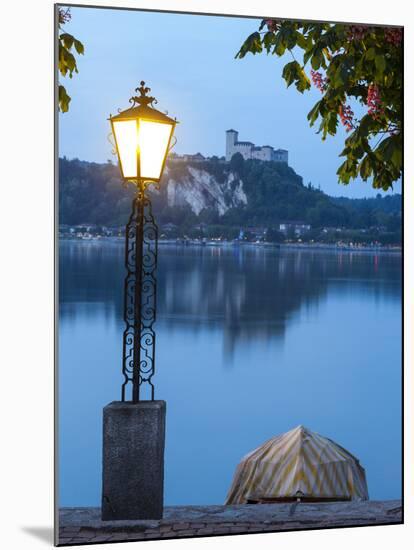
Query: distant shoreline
[(235, 245)]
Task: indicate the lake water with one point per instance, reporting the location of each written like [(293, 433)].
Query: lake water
[(251, 342)]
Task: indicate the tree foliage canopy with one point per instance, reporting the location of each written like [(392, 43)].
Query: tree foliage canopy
[(346, 63), (67, 61), (237, 164)]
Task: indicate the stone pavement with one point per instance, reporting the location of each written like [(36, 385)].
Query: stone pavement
[(84, 525)]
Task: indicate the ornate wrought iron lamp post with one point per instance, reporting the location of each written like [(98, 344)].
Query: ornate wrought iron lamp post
[(142, 139), (134, 428)]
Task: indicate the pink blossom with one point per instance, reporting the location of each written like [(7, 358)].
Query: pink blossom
[(374, 103), (393, 36), (346, 115), (318, 80)]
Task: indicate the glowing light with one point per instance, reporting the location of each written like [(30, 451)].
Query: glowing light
[(153, 139), (142, 139), (127, 144)]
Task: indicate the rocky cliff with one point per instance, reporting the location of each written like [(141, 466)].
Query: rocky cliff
[(200, 189)]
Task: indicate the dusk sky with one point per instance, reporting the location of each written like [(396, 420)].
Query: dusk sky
[(188, 61)]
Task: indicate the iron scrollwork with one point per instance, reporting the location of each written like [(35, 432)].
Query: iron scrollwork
[(141, 248)]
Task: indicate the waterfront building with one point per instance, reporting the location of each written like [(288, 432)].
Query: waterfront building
[(296, 227)]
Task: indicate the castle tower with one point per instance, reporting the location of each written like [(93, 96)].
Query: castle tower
[(231, 140)]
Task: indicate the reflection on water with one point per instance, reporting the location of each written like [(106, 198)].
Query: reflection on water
[(251, 342), (249, 293)]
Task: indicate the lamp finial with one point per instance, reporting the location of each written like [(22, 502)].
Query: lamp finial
[(143, 98)]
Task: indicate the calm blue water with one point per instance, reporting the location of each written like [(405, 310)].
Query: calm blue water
[(251, 343)]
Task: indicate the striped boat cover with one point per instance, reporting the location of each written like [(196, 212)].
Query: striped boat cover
[(298, 463)]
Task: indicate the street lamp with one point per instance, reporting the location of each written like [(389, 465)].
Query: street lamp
[(142, 138), (134, 428), (142, 141)]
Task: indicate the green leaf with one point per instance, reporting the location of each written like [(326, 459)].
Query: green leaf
[(79, 47), (291, 39), (67, 62), (365, 168), (337, 78), (316, 61), (389, 151), (280, 45), (67, 40), (380, 63), (262, 24), (332, 123), (252, 45), (302, 83), (268, 40), (314, 112), (370, 54), (290, 71), (64, 99), (396, 158), (301, 41), (365, 125), (293, 72), (307, 55), (343, 173), (386, 148)]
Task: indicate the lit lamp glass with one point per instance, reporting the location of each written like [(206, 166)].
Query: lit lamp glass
[(142, 138)]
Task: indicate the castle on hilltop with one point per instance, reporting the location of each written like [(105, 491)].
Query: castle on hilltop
[(250, 151)]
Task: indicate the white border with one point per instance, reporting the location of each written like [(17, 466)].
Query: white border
[(26, 231)]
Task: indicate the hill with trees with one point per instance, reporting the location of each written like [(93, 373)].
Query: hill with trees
[(218, 194)]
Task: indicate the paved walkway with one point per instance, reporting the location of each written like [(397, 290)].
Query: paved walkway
[(83, 525)]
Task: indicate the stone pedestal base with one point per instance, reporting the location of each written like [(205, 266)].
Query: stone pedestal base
[(133, 460)]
